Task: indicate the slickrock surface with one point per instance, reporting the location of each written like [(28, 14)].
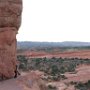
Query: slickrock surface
[(10, 21), (10, 85), (27, 81)]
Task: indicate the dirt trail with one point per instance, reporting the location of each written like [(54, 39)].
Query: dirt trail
[(11, 84)]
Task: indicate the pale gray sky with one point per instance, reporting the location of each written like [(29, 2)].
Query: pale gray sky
[(55, 20)]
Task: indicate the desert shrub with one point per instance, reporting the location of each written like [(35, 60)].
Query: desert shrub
[(63, 69), (54, 69), (71, 67), (22, 66), (23, 62), (73, 83), (63, 77), (37, 61), (83, 86), (51, 87), (55, 78)]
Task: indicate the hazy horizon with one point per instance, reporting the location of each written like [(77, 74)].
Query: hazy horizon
[(51, 41), (55, 21)]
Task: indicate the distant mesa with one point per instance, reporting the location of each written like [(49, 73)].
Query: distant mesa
[(29, 44)]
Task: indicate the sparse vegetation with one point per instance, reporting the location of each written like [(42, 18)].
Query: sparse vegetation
[(51, 87), (83, 86), (53, 67), (23, 62)]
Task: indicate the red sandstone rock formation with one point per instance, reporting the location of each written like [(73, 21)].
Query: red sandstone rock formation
[(10, 20)]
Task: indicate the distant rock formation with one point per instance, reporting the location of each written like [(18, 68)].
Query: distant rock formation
[(10, 21)]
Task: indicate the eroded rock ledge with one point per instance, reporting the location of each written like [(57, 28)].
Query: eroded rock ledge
[(10, 21)]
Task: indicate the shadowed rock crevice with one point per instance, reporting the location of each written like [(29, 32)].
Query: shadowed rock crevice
[(10, 21)]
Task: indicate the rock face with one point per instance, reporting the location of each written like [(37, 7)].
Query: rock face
[(10, 21)]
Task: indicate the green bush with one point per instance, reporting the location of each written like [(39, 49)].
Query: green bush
[(23, 62), (83, 86), (54, 69), (50, 87)]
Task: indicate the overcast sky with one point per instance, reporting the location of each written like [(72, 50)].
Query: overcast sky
[(55, 20)]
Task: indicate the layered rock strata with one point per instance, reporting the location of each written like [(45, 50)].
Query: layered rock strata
[(10, 21)]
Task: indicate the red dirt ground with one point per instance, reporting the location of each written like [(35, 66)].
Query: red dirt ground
[(65, 54), (82, 75)]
